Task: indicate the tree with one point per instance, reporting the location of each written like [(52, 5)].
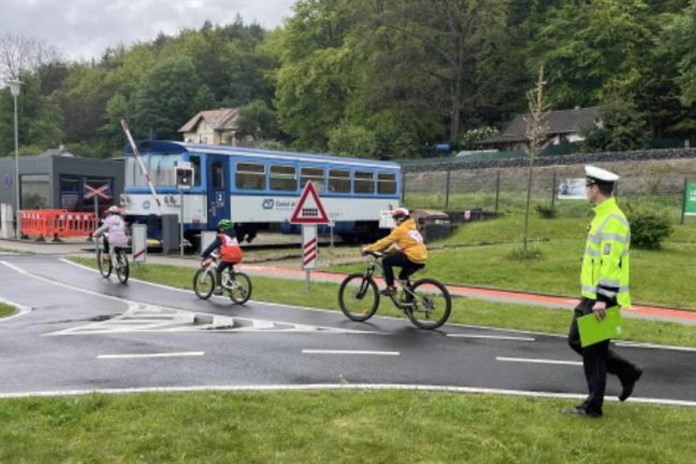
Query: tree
[(351, 140), (163, 103), (537, 128), (20, 54), (258, 121), (587, 46)]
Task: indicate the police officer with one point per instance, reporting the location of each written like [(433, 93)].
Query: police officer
[(604, 279)]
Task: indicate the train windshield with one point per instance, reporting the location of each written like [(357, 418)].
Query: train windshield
[(161, 169)]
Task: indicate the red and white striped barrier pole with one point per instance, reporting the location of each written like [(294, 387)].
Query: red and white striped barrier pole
[(136, 153)]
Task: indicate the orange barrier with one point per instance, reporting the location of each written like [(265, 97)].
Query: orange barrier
[(56, 223)]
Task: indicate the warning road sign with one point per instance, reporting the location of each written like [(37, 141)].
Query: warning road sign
[(309, 209), (100, 192)]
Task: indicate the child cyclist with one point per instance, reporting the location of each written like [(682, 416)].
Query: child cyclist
[(230, 251), (113, 229), (410, 253)]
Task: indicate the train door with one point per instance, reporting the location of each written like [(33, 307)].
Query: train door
[(218, 187)]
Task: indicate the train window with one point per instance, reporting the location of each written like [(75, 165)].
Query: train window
[(339, 181), (283, 178), (386, 183), (218, 176), (364, 182), (250, 176), (162, 170), (196, 164), (315, 175)]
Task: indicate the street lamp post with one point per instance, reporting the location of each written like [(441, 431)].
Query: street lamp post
[(15, 89)]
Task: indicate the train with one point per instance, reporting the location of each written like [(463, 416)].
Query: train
[(256, 189)]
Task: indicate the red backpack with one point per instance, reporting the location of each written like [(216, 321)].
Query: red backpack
[(230, 251)]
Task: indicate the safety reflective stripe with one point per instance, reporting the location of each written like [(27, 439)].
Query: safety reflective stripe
[(589, 288), (615, 237), (609, 283), (607, 293), (594, 253)]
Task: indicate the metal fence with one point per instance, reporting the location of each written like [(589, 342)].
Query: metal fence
[(648, 183)]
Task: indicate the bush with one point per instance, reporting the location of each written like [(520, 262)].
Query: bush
[(648, 229), (519, 253), (546, 212)]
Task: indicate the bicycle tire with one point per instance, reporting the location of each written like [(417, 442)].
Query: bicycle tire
[(104, 266), (241, 291), (203, 283), (431, 306), (122, 266), (358, 297)]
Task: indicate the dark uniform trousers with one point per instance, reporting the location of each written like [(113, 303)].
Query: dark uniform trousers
[(597, 359)]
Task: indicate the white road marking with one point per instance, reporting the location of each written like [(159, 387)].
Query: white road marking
[(654, 346), (339, 386), (493, 337), (539, 361), (358, 352), (150, 355)]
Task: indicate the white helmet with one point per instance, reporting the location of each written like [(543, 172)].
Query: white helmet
[(114, 210), (399, 213)]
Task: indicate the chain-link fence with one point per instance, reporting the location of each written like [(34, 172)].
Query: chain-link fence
[(656, 184)]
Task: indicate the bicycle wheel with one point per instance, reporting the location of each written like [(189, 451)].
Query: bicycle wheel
[(203, 283), (240, 287), (431, 304), (358, 297), (122, 266), (103, 263)]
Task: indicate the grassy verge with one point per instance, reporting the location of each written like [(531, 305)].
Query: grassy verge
[(465, 311), (6, 310), (338, 427), (476, 254)]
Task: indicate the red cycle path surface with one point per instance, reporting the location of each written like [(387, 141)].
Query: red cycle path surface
[(503, 296)]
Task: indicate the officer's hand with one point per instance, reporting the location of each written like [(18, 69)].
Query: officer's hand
[(599, 309), (363, 250)]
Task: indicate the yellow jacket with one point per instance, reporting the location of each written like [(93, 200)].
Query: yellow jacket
[(407, 238)]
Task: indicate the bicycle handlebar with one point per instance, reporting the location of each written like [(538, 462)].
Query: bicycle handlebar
[(374, 254)]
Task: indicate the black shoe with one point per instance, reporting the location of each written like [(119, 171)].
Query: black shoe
[(389, 291), (581, 411), (629, 384)]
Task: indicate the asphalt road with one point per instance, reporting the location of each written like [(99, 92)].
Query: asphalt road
[(86, 333)]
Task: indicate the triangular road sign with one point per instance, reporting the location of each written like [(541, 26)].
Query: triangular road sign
[(309, 209)]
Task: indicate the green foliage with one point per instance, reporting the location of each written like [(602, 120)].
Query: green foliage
[(469, 138), (411, 72), (622, 126), (351, 140), (522, 252), (257, 120), (648, 229), (546, 212)]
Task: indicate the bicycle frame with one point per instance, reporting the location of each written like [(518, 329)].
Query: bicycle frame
[(405, 285)]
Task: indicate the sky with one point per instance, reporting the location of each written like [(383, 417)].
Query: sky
[(84, 29)]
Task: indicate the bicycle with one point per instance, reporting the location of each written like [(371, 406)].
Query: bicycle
[(426, 302), (236, 284), (110, 260)]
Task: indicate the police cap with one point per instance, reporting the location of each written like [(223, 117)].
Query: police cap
[(595, 175)]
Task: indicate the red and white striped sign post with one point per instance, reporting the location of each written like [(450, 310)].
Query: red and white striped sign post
[(309, 212), (96, 193)]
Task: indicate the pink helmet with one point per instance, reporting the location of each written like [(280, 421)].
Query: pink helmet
[(399, 213)]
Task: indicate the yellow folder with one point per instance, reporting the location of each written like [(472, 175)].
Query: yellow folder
[(592, 330)]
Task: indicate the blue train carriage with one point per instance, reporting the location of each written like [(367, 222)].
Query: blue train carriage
[(257, 189)]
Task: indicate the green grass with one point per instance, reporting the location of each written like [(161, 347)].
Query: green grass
[(6, 310), (337, 427), (465, 310), (479, 254)]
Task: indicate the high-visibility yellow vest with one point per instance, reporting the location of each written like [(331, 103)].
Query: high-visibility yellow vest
[(605, 265)]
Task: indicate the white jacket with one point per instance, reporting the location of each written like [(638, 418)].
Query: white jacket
[(115, 227)]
